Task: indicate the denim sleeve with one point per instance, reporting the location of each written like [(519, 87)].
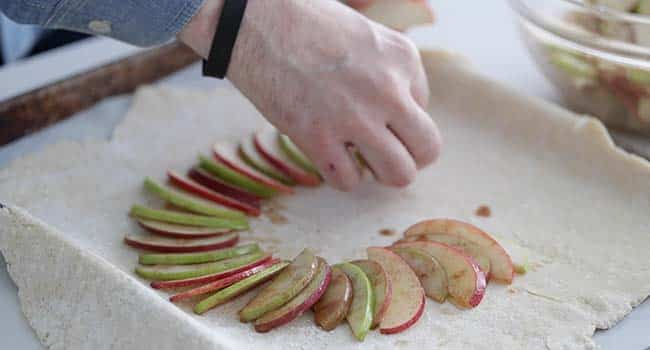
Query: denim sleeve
[(139, 22)]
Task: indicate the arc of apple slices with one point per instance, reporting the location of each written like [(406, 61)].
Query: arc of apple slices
[(300, 303), (228, 293), (267, 142), (198, 258), (251, 155), (501, 267), (180, 245), (204, 192), (360, 314), (465, 280), (381, 287), (287, 285), (223, 282), (218, 185), (229, 155), (431, 274), (174, 217), (333, 306), (407, 304), (174, 272)]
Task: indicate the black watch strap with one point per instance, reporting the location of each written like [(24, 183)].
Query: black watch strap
[(224, 39)]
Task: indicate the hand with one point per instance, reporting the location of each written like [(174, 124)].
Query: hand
[(331, 79)]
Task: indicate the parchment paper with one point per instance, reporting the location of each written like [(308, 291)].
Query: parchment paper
[(562, 197)]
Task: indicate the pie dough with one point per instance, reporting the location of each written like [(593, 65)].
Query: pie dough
[(562, 197)]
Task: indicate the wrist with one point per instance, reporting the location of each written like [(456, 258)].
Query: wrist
[(198, 33)]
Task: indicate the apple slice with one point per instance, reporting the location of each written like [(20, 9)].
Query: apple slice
[(381, 288), (238, 288), (198, 258), (236, 178), (179, 272), (191, 203), (180, 245), (223, 282), (431, 274), (229, 155), (202, 191), (465, 280), (469, 248), (267, 142), (300, 303), (397, 14), (501, 268), (200, 280), (407, 304), (180, 231), (286, 286), (333, 306), (360, 314), (175, 217), (299, 158), (216, 184), (250, 155)]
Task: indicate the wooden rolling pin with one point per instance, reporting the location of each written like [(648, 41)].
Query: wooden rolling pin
[(36, 109)]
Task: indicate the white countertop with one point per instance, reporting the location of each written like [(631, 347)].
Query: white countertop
[(485, 32)]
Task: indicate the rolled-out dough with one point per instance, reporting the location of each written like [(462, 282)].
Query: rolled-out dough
[(562, 198)]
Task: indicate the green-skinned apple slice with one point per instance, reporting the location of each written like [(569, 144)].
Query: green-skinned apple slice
[(501, 268), (198, 258), (218, 185), (407, 304), (180, 245), (191, 203), (201, 280), (465, 279), (300, 303), (283, 288), (228, 154), (174, 217), (470, 248), (431, 274), (180, 231), (179, 272), (239, 288), (232, 176), (268, 144), (223, 282), (332, 308), (252, 157), (192, 186), (360, 314), (381, 287), (298, 157)]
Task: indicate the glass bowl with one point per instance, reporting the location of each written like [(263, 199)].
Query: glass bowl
[(596, 52)]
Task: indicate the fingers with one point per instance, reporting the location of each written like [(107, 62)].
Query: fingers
[(335, 164), (420, 85), (387, 158), (420, 135)]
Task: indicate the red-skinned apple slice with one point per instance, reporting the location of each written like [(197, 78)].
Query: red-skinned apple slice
[(180, 231), (431, 274), (300, 303), (180, 245), (465, 279), (501, 267), (214, 183), (333, 306), (470, 248), (267, 142), (407, 304), (287, 285), (381, 287), (187, 282), (202, 191), (229, 155), (249, 153), (223, 282), (397, 14)]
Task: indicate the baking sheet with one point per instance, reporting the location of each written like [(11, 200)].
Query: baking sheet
[(562, 196)]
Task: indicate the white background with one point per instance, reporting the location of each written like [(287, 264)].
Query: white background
[(482, 30)]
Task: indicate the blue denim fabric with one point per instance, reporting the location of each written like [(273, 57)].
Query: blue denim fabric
[(139, 22), (16, 40)]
